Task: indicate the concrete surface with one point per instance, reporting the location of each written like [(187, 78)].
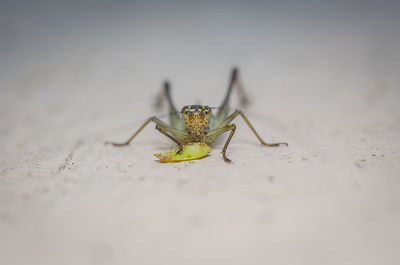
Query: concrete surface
[(324, 78)]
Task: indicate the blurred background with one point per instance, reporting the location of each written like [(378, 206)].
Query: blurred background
[(106, 59), (321, 75)]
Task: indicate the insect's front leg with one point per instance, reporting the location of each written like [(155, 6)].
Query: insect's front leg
[(153, 119), (213, 134), (239, 112), (164, 130), (175, 135)]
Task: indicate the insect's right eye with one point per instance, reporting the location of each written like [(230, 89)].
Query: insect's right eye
[(186, 111)]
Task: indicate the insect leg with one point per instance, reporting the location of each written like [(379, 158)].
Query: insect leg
[(167, 93), (153, 119), (239, 112), (235, 81), (164, 130), (224, 107), (213, 134), (175, 117), (223, 110)]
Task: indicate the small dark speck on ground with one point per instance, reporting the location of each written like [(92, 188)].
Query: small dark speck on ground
[(360, 163)]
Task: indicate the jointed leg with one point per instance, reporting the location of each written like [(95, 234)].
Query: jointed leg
[(239, 112), (231, 127), (213, 134), (163, 130), (244, 100), (161, 126), (165, 93), (223, 110), (234, 81), (174, 115)]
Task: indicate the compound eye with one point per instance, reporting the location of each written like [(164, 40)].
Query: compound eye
[(186, 111), (206, 111)]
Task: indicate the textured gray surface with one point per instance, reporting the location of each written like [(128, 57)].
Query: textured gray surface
[(324, 78)]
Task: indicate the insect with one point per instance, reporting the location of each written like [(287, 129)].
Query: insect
[(196, 123)]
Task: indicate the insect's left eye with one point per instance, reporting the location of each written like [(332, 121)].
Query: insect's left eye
[(206, 111), (186, 111)]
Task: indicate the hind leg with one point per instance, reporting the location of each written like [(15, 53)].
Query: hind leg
[(223, 110), (175, 118), (236, 82), (165, 93)]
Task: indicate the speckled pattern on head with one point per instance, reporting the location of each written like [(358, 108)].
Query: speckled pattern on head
[(197, 119)]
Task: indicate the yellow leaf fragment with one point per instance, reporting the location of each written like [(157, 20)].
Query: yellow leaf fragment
[(190, 151)]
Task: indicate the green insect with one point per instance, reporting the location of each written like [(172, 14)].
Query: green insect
[(196, 123)]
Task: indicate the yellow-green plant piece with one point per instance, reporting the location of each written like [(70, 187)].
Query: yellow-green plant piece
[(189, 152)]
